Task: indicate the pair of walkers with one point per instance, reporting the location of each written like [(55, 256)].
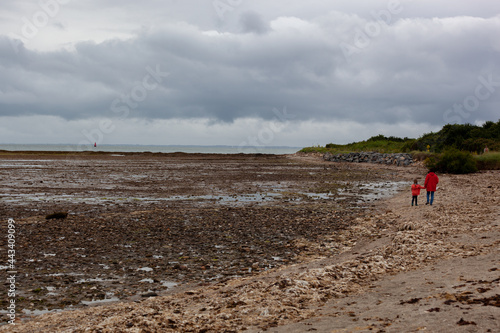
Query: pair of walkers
[(431, 181)]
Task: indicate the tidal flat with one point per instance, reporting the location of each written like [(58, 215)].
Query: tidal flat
[(143, 225)]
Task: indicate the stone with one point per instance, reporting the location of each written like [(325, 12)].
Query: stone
[(399, 159)]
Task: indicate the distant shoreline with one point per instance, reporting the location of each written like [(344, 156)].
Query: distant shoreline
[(217, 149), (121, 153)]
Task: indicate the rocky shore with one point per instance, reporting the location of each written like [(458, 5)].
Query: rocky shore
[(133, 226), (399, 159), (392, 268)]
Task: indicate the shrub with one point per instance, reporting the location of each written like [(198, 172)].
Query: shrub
[(489, 161), (421, 155), (461, 136), (452, 161), (332, 146), (431, 163)]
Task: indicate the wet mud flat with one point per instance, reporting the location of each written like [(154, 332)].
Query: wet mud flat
[(141, 225)]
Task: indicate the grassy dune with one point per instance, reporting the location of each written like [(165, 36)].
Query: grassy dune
[(380, 146)]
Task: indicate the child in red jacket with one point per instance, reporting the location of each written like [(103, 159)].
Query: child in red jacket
[(415, 192)]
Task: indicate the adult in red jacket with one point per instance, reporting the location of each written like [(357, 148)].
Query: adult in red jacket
[(431, 180)]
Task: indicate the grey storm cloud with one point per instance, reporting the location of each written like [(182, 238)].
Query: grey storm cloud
[(322, 61), (252, 22)]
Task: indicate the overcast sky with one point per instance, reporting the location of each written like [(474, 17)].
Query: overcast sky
[(241, 72)]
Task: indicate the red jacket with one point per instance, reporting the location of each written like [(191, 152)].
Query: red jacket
[(415, 189), (431, 180)]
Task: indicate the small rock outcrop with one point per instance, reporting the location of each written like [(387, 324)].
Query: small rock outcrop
[(57, 215), (399, 159)]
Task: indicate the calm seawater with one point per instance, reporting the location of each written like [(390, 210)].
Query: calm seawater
[(152, 148)]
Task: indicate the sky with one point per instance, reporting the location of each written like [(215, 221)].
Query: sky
[(244, 73)]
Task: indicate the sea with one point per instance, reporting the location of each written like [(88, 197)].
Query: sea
[(275, 150)]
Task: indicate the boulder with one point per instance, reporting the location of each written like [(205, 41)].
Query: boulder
[(399, 159)]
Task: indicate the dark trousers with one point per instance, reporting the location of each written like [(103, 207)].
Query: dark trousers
[(414, 199), (431, 196)]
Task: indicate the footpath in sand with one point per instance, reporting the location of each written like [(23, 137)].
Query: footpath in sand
[(399, 269)]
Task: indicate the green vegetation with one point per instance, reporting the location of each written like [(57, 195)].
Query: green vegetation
[(489, 161), (455, 148), (463, 137), (315, 150), (452, 161), (456, 161), (377, 143)]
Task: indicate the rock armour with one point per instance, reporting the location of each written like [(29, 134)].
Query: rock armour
[(400, 159)]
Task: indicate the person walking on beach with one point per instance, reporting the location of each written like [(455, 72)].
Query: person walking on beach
[(431, 181), (415, 192)]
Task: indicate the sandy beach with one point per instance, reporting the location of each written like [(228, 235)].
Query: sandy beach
[(230, 243)]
